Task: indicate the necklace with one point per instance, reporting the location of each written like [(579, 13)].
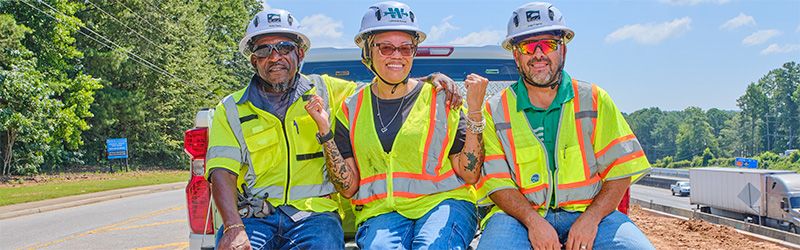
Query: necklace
[(384, 128)]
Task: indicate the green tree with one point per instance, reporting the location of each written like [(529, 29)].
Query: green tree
[(695, 135)]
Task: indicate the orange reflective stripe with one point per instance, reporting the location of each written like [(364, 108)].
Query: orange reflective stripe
[(353, 126), (621, 160), (486, 178), (488, 108), (423, 176), (369, 199), (345, 110), (510, 136), (580, 183), (430, 133), (371, 179), (533, 189), (446, 136), (615, 142), (594, 107), (493, 157), (579, 129), (413, 195), (587, 201)]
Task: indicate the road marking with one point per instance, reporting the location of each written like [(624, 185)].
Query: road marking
[(105, 228), (146, 225), (176, 245)]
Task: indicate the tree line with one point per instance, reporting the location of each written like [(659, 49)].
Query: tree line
[(766, 127), (74, 73)]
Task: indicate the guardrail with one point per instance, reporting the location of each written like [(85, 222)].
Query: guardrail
[(680, 173)]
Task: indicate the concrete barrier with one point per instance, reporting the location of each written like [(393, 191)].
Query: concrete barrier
[(741, 225), (656, 182)]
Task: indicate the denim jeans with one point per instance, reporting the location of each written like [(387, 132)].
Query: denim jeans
[(615, 231), (278, 231), (449, 225)]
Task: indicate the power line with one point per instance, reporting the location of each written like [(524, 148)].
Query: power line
[(129, 28)]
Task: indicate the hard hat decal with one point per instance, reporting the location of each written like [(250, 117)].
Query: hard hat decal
[(273, 18), (551, 13), (289, 19), (533, 15), (535, 178), (255, 21), (516, 20), (397, 13)]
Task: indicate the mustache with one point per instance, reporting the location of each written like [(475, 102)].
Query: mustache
[(535, 60), (277, 64)]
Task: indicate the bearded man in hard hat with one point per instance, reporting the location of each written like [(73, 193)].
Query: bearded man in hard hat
[(560, 155), (264, 156)]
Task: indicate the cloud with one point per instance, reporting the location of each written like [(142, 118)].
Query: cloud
[(323, 31), (760, 37), (738, 21), (438, 31), (485, 37), (778, 49), (265, 5), (650, 33), (693, 2)]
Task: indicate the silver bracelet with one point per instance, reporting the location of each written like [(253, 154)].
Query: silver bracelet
[(475, 127)]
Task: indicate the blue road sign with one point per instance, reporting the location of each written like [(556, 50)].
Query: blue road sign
[(117, 148)]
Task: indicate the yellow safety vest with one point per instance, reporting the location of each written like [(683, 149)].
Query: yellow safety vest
[(279, 160), (417, 174), (594, 144)]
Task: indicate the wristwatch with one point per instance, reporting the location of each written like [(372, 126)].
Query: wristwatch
[(324, 138)]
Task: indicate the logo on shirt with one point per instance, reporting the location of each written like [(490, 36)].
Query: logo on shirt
[(535, 178)]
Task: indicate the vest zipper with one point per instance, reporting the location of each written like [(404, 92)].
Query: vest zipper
[(555, 158), (288, 162)]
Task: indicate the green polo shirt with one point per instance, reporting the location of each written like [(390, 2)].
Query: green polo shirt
[(544, 122)]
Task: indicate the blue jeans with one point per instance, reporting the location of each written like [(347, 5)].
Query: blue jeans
[(449, 225), (278, 231), (615, 231)]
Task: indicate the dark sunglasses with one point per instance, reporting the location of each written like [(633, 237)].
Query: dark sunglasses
[(546, 45), (387, 49), (283, 48)]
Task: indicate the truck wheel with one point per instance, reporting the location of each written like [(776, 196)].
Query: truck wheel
[(673, 192), (792, 228)]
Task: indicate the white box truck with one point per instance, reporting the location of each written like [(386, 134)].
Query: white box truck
[(767, 197)]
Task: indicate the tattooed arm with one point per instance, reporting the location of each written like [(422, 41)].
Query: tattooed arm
[(468, 162), (341, 172)]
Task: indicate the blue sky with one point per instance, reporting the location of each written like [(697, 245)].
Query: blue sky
[(670, 54)]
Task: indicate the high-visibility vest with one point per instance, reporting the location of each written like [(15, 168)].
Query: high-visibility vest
[(593, 144), (279, 160), (417, 174)]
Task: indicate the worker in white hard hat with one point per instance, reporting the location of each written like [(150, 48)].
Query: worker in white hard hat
[(560, 156), (410, 161), (265, 155)]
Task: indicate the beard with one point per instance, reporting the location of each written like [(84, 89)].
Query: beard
[(541, 79), (276, 84)]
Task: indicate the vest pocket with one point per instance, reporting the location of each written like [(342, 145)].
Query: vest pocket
[(305, 138), (261, 138)]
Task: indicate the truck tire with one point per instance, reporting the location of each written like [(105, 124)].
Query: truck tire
[(793, 229)]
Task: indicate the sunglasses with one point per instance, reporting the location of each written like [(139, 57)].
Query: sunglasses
[(283, 48), (387, 49), (546, 45)]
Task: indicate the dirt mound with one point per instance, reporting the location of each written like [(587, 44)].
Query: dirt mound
[(671, 233)]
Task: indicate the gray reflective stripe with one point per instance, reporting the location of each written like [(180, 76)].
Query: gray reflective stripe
[(440, 131), (584, 117), (495, 166), (481, 199), (499, 119), (579, 193), (425, 187), (275, 192), (619, 150), (538, 197), (232, 113), (370, 189), (502, 126), (227, 152), (306, 191), (586, 114)]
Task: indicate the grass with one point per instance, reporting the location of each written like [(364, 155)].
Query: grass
[(55, 186)]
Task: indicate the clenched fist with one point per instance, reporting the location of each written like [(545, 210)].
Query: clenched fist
[(476, 91), (318, 112)]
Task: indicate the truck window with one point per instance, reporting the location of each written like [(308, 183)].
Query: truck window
[(458, 69)]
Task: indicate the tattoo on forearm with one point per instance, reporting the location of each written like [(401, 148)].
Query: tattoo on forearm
[(474, 154), (472, 161), (338, 173)]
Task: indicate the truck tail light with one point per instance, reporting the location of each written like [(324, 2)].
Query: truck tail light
[(198, 200), (195, 142), (625, 203)]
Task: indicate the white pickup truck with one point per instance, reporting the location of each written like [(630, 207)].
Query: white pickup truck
[(680, 188)]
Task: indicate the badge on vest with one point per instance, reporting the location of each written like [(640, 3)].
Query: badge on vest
[(535, 178), (359, 207)]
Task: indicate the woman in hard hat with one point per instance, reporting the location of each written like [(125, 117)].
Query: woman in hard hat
[(412, 160)]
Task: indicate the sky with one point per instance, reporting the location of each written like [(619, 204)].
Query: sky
[(670, 54)]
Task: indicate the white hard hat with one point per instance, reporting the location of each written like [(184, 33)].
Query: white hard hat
[(272, 21), (388, 16), (533, 18)]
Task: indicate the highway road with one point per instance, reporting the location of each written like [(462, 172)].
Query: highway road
[(150, 221), (659, 196)]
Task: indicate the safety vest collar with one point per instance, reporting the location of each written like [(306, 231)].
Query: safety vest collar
[(565, 93), (300, 87)]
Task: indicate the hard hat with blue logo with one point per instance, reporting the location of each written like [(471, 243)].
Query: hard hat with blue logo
[(535, 17), (388, 16), (272, 21)]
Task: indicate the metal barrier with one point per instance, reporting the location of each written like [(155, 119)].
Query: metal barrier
[(680, 173)]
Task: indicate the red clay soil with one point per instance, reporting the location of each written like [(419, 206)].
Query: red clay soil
[(672, 233)]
